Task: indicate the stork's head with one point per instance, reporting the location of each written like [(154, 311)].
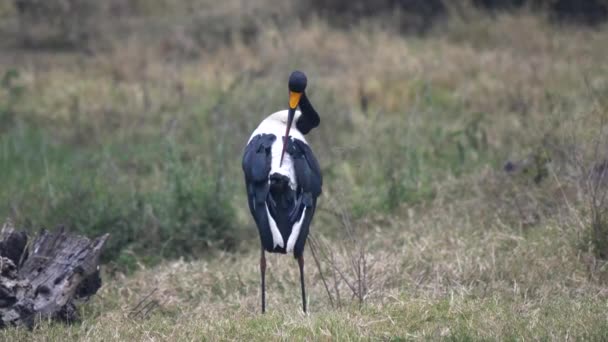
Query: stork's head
[(296, 85)]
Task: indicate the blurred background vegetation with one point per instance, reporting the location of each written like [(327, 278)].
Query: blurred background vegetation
[(463, 144), (129, 117)]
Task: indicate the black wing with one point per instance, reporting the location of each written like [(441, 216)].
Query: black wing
[(256, 166), (308, 172), (286, 207), (310, 183)]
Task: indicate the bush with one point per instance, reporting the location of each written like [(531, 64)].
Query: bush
[(413, 15), (10, 94), (590, 12), (56, 23), (168, 208), (420, 15)]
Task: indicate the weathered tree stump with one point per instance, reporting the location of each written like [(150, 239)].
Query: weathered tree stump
[(44, 278)]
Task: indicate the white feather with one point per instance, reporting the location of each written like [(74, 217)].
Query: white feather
[(295, 232), (276, 124), (274, 230)]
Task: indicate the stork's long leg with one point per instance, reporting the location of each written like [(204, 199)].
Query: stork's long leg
[(263, 272), (301, 264)]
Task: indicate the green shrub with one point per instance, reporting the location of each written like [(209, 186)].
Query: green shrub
[(56, 23), (11, 92), (175, 213)]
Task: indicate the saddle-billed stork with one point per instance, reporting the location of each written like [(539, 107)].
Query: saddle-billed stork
[(283, 179)]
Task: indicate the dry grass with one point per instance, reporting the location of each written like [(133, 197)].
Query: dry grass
[(441, 276), (418, 130)]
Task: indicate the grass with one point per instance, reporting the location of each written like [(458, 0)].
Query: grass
[(438, 283), (142, 137), (412, 319)]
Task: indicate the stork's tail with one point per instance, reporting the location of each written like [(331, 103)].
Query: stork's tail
[(279, 183), (281, 201)]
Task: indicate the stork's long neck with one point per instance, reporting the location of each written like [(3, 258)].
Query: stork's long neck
[(309, 118)]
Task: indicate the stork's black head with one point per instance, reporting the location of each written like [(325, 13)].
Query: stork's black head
[(297, 82)]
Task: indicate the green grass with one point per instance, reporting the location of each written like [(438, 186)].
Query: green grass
[(142, 138), (96, 189), (453, 285), (413, 319)]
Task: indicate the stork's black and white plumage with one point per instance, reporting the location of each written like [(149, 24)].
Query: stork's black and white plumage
[(283, 179)]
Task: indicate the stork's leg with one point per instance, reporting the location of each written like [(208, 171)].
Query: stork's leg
[(301, 264), (263, 272)]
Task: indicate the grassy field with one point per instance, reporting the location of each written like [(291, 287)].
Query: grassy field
[(422, 232)]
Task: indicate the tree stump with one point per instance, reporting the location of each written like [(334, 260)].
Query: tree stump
[(44, 278)]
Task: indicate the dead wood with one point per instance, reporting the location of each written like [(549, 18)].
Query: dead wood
[(44, 278)]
